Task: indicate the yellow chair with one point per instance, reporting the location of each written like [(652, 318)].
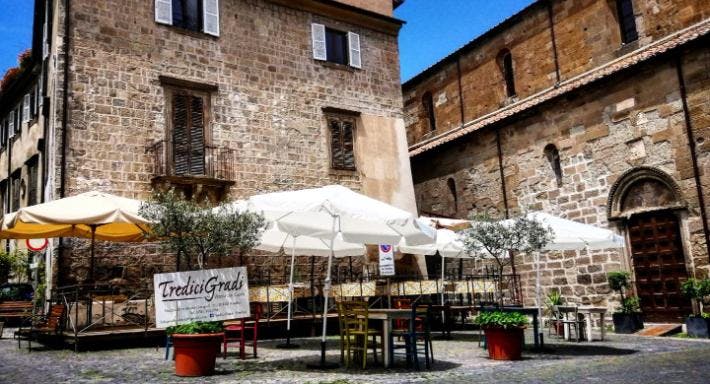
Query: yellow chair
[(355, 332)]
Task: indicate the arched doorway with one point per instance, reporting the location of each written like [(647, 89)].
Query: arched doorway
[(648, 203)]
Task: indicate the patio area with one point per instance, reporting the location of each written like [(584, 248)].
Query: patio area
[(630, 359)]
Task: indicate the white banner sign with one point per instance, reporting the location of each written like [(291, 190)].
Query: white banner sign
[(208, 295), (386, 260)]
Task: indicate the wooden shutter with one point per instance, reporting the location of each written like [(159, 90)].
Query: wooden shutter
[(336, 146), (181, 141), (197, 136), (164, 11), (11, 130), (354, 50), (346, 129), (210, 17), (318, 37)]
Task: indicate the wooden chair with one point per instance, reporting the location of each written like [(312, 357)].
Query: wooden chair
[(403, 324), (570, 318), (412, 336), (48, 325), (553, 321), (357, 332), (236, 333)]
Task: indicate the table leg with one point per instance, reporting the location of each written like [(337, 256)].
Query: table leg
[(386, 347), (565, 327), (588, 321), (602, 321)]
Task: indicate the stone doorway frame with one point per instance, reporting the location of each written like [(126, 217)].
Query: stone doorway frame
[(617, 215)]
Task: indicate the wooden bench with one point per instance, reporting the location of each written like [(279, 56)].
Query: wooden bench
[(46, 326), (15, 310)]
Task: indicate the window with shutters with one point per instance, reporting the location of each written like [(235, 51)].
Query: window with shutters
[(192, 15), (342, 142), (15, 193), (336, 46), (627, 21), (188, 110), (32, 180)]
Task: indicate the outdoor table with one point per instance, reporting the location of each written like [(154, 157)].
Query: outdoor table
[(530, 311), (386, 316), (449, 312), (588, 312)]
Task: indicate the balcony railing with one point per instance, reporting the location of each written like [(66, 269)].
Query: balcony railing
[(217, 163)]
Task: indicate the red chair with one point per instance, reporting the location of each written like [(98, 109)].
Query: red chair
[(403, 324), (236, 333)]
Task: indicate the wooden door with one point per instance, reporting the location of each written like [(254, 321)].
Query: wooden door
[(659, 266)]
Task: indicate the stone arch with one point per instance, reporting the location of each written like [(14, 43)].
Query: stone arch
[(643, 189)]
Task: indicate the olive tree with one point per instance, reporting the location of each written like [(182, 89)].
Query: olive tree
[(491, 238), (198, 229)]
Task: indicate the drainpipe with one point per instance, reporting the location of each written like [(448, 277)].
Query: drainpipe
[(65, 116), (691, 144), (554, 41)]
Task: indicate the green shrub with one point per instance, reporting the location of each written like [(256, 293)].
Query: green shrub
[(618, 280), (500, 319), (196, 327), (631, 304)]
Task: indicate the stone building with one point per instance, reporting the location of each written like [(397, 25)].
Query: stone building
[(593, 110), (217, 98)]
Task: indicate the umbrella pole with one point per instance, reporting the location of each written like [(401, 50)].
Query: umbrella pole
[(326, 293), (537, 285), (91, 261), (288, 344)]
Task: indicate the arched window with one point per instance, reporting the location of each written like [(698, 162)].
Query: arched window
[(428, 107), (553, 157), (627, 21), (506, 65), (451, 183)]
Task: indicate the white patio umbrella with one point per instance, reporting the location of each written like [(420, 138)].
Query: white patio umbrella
[(274, 240), (334, 210)]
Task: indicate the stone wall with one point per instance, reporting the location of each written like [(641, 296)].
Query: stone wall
[(586, 35), (631, 120), (268, 103)]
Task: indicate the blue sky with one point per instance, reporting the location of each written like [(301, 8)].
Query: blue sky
[(434, 28)]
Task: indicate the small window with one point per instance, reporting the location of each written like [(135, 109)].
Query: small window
[(193, 15), (336, 46), (342, 142), (627, 21), (32, 180), (451, 183), (428, 108), (506, 63), (188, 14), (553, 157)]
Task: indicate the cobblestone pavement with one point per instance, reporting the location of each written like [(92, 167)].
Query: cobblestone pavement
[(620, 359)]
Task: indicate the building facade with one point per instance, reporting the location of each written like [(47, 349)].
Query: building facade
[(592, 110), (218, 99)]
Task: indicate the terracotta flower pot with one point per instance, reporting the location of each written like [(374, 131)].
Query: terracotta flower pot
[(195, 355), (504, 343)]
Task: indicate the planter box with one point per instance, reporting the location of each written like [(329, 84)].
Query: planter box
[(698, 327), (195, 355), (504, 344), (627, 322)]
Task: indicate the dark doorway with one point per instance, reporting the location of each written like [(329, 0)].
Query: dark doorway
[(659, 266)]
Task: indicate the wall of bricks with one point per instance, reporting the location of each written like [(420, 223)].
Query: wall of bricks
[(268, 105)]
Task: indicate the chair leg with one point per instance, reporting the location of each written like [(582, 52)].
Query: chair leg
[(374, 348), (242, 341), (364, 351), (255, 339)]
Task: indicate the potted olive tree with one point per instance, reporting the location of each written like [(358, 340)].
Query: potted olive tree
[(493, 239), (697, 324), (199, 231), (628, 318)]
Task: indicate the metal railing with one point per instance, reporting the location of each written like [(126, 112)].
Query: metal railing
[(218, 162)]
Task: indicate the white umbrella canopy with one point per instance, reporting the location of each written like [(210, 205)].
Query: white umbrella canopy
[(336, 210)]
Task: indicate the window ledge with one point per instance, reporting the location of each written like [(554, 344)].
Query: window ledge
[(342, 172), (187, 32), (342, 67)]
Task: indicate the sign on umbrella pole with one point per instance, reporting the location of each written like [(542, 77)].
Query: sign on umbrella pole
[(387, 267)]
